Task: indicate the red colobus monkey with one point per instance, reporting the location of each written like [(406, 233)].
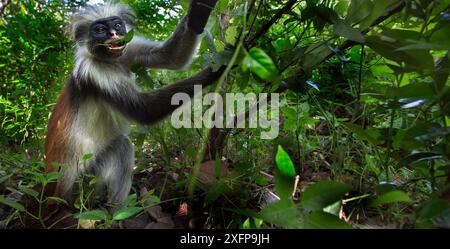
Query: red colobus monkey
[(93, 111)]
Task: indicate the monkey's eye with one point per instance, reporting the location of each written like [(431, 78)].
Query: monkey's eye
[(118, 25), (100, 29)]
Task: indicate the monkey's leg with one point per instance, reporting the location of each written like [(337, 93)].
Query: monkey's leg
[(114, 166)]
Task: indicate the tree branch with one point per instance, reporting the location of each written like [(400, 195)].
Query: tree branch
[(269, 24)]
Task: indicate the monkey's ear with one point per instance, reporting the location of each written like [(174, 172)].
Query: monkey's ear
[(79, 32)]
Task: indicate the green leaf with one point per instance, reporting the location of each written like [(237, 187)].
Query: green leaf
[(372, 164), (4, 178), (291, 124), (322, 220), (422, 46), (440, 34), (52, 176), (384, 188), (417, 90), (219, 59), (342, 7), (209, 40), (283, 213), (380, 8), (441, 73), (127, 38), (282, 45), (214, 191), (252, 223), (361, 133), (323, 194), (259, 63), (284, 174), (430, 211), (15, 205), (391, 197), (358, 10), (131, 200), (92, 215), (88, 156), (388, 44), (246, 224), (334, 208), (343, 29), (126, 213), (231, 35), (154, 199), (28, 191), (326, 13), (57, 199)]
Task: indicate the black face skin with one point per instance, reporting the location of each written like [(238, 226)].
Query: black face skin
[(104, 34)]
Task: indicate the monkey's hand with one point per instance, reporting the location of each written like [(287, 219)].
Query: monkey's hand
[(199, 13)]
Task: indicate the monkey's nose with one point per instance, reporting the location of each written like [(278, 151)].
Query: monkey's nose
[(113, 33)]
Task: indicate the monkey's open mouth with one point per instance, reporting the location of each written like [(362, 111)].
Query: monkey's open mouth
[(113, 46)]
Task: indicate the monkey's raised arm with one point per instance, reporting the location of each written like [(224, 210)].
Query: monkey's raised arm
[(177, 51), (147, 108)]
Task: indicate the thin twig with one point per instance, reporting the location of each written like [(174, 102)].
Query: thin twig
[(269, 24)]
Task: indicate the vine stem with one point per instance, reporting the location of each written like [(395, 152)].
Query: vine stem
[(206, 131)]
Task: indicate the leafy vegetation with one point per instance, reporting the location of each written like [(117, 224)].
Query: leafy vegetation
[(365, 112)]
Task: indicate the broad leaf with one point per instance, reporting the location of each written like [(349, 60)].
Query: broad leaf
[(323, 194), (259, 63), (127, 38), (391, 197), (358, 10), (4, 178), (28, 191), (362, 134), (380, 8), (343, 29), (52, 176), (58, 200), (430, 211), (417, 90), (15, 205), (326, 13), (388, 46), (284, 174), (92, 215), (322, 220), (126, 213), (283, 213), (422, 46), (214, 191)]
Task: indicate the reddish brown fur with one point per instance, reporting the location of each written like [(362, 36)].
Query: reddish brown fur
[(56, 144)]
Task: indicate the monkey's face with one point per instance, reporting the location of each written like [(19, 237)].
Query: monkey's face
[(104, 36)]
